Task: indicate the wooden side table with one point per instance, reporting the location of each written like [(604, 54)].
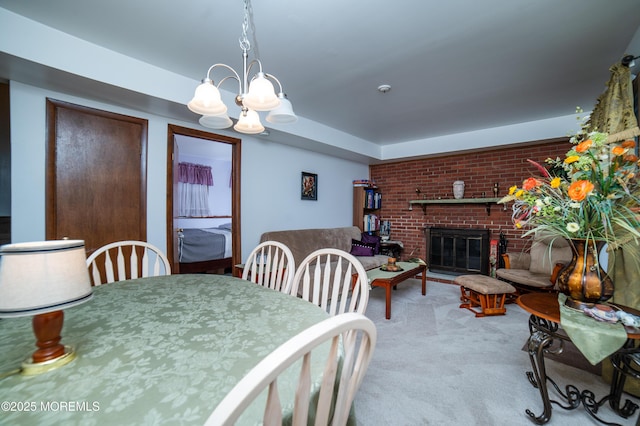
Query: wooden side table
[(543, 326)]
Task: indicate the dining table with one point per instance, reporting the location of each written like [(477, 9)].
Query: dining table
[(154, 351)]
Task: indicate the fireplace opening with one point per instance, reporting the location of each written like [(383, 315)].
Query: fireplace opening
[(458, 251)]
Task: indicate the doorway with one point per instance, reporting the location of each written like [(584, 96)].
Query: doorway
[(174, 220)]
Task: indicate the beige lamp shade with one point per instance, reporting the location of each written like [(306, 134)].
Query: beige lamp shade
[(41, 277)]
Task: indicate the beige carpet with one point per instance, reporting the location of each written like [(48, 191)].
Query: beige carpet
[(436, 364)]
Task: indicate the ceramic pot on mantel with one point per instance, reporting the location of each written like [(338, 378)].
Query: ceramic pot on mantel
[(583, 280), (458, 189)]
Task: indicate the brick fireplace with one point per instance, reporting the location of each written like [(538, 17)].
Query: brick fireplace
[(432, 178), (457, 251)]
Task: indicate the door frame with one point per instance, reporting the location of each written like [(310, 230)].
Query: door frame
[(172, 235)]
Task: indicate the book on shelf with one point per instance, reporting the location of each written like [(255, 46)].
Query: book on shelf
[(364, 183), (373, 199), (371, 223)]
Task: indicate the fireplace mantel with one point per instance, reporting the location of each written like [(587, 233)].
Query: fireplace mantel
[(487, 201)]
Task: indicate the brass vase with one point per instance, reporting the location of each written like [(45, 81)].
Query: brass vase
[(583, 280)]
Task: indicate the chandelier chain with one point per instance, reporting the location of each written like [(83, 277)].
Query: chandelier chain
[(245, 45)]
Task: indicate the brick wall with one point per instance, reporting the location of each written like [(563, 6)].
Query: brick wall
[(434, 178)]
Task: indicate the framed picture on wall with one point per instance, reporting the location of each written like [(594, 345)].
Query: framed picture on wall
[(309, 189)]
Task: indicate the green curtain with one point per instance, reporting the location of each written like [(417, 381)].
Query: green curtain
[(614, 114)]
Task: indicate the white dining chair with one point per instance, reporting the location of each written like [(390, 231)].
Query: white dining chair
[(133, 259), (334, 280), (352, 340), (270, 265)]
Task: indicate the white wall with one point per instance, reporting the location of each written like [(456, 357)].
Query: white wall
[(270, 178), (271, 190)]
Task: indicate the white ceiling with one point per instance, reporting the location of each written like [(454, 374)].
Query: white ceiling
[(454, 66)]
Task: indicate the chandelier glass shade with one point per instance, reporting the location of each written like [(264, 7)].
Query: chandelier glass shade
[(262, 95), (283, 113), (207, 100), (249, 123), (221, 121), (255, 93)]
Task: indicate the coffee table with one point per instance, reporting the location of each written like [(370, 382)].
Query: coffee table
[(380, 278)]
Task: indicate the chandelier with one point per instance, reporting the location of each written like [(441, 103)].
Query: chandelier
[(255, 93)]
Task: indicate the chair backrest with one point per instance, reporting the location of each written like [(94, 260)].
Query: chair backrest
[(139, 255), (345, 367), (334, 280), (271, 265)]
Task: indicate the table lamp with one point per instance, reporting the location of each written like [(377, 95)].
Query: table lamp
[(41, 279)]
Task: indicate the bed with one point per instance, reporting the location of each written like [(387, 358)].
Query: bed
[(202, 250)]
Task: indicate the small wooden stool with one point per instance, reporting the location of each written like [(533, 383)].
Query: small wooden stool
[(483, 291)]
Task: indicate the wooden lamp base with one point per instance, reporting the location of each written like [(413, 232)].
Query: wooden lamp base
[(51, 354)]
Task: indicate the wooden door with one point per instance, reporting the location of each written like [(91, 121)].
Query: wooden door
[(96, 175)]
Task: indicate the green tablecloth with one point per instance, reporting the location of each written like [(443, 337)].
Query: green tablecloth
[(154, 351)]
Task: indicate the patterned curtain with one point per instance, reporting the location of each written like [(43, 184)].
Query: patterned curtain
[(614, 114), (194, 181)]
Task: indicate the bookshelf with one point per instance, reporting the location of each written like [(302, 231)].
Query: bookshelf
[(367, 202)]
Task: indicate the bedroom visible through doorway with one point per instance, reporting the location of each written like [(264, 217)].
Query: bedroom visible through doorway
[(205, 189)]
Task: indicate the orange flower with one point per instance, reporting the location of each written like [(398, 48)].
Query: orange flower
[(630, 158), (579, 190), (628, 144), (583, 146), (530, 184), (618, 150)]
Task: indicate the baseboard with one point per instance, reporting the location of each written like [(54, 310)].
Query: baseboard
[(440, 277)]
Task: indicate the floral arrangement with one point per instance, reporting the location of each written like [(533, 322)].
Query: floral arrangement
[(591, 194)]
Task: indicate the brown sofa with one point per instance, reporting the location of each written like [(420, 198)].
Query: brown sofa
[(533, 270), (303, 242)]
